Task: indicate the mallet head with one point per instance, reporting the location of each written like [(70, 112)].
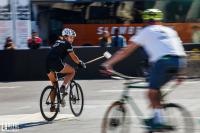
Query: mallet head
[(107, 55)]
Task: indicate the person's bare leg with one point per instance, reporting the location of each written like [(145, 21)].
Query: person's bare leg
[(70, 74), (52, 78), (154, 97)]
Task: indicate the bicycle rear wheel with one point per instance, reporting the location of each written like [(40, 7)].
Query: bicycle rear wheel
[(76, 99), (116, 119), (45, 104), (178, 117)]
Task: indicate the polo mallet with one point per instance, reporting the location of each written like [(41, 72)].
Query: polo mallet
[(106, 55)]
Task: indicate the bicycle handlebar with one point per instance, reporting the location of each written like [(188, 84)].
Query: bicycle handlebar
[(122, 76)]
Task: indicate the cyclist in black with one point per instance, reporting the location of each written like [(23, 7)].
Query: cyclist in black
[(61, 49)]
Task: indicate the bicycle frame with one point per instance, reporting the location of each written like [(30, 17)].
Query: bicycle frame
[(57, 88), (58, 78), (126, 98)]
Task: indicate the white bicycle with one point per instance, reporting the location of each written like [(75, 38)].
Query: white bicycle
[(117, 117)]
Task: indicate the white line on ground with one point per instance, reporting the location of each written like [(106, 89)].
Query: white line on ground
[(147, 116), (9, 87), (94, 106), (24, 107), (131, 90)]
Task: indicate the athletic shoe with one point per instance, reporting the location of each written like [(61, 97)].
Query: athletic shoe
[(52, 108), (159, 127)]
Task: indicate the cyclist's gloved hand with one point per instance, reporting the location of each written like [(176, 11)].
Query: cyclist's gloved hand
[(82, 65)]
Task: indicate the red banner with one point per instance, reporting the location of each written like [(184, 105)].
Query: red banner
[(89, 34)]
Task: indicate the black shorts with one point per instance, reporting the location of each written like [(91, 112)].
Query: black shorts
[(54, 64)]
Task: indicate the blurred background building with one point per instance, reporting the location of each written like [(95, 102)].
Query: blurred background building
[(48, 17)]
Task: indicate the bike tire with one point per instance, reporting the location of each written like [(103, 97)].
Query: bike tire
[(42, 108), (76, 98), (184, 123), (116, 122)]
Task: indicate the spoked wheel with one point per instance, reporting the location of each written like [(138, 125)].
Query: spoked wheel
[(45, 104), (179, 118), (76, 98), (116, 119)]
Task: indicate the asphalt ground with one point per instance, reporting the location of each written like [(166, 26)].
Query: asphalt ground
[(19, 105)]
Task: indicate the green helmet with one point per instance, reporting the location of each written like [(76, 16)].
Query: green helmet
[(152, 14)]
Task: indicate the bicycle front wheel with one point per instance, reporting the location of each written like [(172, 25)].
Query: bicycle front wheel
[(179, 118), (45, 104), (116, 119), (76, 99)]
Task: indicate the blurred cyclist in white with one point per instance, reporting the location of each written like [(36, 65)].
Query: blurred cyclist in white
[(166, 55)]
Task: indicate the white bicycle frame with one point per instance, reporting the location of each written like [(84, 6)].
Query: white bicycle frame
[(129, 83)]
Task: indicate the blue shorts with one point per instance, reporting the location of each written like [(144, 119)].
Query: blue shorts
[(164, 70)]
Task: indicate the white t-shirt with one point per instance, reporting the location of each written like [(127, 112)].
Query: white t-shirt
[(158, 41)]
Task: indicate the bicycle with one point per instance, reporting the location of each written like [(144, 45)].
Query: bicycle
[(76, 99), (117, 119)]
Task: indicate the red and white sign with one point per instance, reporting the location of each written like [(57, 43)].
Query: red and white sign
[(90, 33)]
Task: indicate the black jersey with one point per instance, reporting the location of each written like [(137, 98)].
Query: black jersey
[(60, 49)]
